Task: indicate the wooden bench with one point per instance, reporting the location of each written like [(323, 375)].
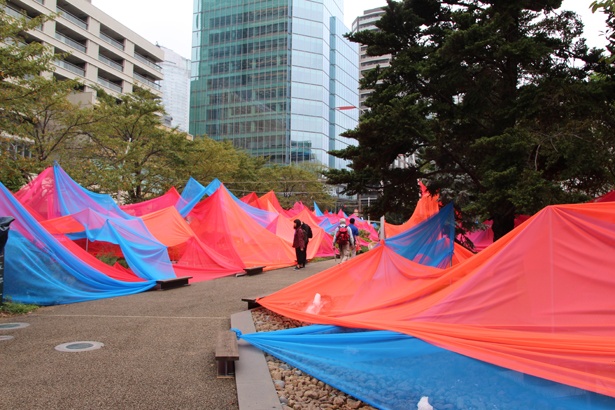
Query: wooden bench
[(227, 352), (251, 271), (252, 303), (165, 284)]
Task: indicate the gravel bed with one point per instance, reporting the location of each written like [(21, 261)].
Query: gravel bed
[(298, 390)]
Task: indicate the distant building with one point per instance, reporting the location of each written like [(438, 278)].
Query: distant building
[(368, 22), (100, 50), (271, 75), (176, 88)]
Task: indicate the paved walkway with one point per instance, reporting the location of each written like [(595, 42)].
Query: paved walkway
[(158, 348)]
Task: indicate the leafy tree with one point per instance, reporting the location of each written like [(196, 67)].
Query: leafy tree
[(50, 122), (21, 61), (14, 166), (495, 100), (23, 84), (291, 183), (297, 183), (206, 159), (124, 150)]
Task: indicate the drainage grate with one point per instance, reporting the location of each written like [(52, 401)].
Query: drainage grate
[(11, 326), (2, 338), (79, 346)]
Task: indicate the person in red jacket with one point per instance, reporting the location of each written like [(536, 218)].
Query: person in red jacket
[(299, 241)]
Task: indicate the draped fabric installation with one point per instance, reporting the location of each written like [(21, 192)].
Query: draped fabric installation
[(46, 269), (391, 370), (538, 301)]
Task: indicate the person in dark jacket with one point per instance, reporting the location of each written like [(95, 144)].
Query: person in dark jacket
[(355, 234), (299, 241)]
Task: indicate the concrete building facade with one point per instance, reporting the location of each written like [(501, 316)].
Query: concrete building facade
[(368, 22), (100, 51)]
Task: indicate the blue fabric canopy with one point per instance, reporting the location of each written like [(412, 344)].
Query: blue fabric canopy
[(41, 271), (430, 242), (390, 370)]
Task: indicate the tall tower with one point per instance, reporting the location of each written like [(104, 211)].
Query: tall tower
[(270, 75), (368, 22), (176, 88)]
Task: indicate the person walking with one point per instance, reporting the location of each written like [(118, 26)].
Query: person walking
[(308, 236), (299, 240), (355, 235), (344, 239)]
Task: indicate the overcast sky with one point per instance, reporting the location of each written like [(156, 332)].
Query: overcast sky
[(169, 23)]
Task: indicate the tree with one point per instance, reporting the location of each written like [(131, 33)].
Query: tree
[(297, 183), (124, 149), (495, 99), (21, 61), (23, 85), (50, 122)]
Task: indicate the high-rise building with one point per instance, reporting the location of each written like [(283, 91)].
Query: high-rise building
[(272, 75), (176, 88), (368, 22), (97, 49)]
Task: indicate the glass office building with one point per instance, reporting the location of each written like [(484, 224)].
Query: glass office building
[(275, 77)]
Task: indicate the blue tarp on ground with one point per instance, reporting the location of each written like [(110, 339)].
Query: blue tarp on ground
[(390, 370)]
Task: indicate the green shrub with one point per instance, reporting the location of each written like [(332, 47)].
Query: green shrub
[(9, 307)]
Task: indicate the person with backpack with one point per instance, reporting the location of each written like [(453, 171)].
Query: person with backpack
[(308, 236), (299, 241), (344, 239)]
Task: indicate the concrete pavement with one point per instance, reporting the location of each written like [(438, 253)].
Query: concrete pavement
[(158, 348)]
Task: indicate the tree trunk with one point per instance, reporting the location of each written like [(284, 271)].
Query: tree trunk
[(502, 224)]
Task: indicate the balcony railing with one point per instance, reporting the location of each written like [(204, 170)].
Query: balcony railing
[(19, 14), (112, 41), (144, 80), (148, 62), (74, 44), (110, 62), (106, 83), (70, 67), (73, 19)]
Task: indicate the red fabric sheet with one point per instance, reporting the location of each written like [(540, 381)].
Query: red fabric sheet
[(538, 301), (224, 226)]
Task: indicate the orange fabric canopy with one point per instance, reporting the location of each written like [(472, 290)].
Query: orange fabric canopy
[(538, 301), (221, 223)]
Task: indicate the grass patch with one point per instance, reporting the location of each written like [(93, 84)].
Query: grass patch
[(10, 308)]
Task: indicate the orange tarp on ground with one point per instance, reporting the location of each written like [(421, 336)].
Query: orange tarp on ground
[(538, 301)]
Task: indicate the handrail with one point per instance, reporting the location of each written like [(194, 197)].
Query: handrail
[(144, 80), (109, 84), (148, 62), (111, 41), (110, 62), (70, 67), (73, 19), (71, 42)]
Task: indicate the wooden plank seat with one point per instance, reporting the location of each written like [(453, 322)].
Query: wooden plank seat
[(253, 270), (227, 352), (165, 284), (252, 303)]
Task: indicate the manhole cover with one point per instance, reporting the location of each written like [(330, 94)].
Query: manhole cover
[(11, 326), (79, 346), (2, 338)]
